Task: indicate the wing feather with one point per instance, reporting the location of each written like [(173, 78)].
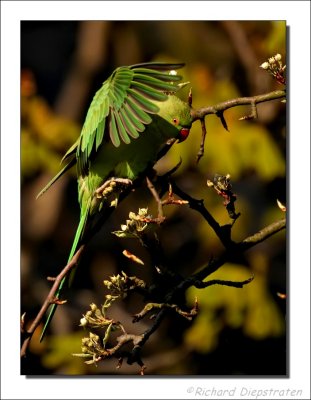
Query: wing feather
[(143, 102), (128, 125), (139, 126), (140, 114), (121, 130), (113, 133), (121, 108), (148, 92)]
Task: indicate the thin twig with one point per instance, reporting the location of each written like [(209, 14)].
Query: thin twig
[(198, 205), (246, 244), (50, 299), (263, 234), (156, 197), (201, 150), (236, 284), (214, 264)]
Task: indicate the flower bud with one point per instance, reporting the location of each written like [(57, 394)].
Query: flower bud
[(94, 337), (84, 349), (265, 65), (107, 283), (132, 215), (271, 60)]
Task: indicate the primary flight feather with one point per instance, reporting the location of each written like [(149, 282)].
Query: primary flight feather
[(130, 118)]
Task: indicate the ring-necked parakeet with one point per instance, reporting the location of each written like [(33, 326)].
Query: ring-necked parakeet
[(130, 118)]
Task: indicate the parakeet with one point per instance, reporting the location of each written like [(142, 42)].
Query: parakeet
[(130, 118)]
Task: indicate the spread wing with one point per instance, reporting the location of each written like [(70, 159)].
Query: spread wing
[(121, 108)]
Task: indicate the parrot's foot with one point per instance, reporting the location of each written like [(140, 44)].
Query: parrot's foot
[(110, 186)]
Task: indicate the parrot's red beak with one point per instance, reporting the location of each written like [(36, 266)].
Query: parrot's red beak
[(183, 134)]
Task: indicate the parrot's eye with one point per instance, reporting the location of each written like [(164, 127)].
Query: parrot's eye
[(176, 121)]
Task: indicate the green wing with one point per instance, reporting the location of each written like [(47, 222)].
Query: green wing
[(120, 111), (121, 107)]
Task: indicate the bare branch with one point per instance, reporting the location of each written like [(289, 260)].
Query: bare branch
[(201, 150), (50, 299), (240, 101), (197, 279), (236, 284), (223, 232), (238, 248), (99, 353), (156, 197), (263, 234)]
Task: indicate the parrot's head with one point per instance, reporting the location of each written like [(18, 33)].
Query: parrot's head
[(177, 113)]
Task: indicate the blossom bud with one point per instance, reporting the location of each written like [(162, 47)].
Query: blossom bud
[(132, 215), (84, 349), (271, 60), (265, 65), (107, 283), (94, 337)]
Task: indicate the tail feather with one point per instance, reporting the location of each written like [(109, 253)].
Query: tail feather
[(76, 242), (71, 162)]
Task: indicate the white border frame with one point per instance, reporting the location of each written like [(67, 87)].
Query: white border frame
[(297, 14)]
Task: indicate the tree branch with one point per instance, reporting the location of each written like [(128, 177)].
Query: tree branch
[(240, 101), (223, 232), (263, 234), (50, 299), (236, 284), (239, 248), (197, 279)]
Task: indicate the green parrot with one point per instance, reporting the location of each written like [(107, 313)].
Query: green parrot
[(130, 119)]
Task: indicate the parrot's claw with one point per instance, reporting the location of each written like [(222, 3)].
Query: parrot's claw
[(110, 186)]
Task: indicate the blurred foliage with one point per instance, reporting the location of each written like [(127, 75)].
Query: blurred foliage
[(252, 308), (275, 38), (57, 351), (60, 73), (45, 136)]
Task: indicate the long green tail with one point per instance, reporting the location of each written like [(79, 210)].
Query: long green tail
[(77, 239), (70, 163)]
